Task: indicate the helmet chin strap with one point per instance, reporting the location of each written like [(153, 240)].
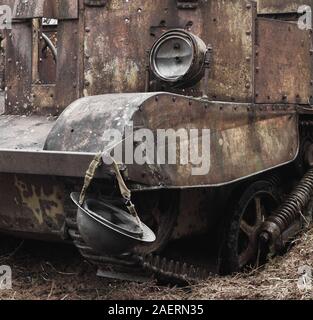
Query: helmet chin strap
[(125, 192)]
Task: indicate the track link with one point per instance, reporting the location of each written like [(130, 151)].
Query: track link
[(160, 267)]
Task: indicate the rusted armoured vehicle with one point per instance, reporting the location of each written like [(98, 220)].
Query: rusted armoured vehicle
[(241, 69)]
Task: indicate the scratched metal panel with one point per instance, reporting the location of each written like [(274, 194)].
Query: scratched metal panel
[(283, 63), (118, 35), (281, 6), (18, 68)]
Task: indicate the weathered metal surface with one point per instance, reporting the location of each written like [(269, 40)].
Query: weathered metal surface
[(281, 6), (81, 127), (31, 204), (283, 63), (58, 9), (231, 31), (115, 57), (66, 9), (32, 9), (244, 139), (43, 97), (31, 132), (18, 68), (69, 164), (67, 73)]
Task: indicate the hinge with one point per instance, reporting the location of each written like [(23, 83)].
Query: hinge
[(187, 4)]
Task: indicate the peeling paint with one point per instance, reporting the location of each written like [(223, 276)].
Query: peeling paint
[(40, 203)]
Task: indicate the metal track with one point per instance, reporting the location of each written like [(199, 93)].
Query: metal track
[(167, 270)]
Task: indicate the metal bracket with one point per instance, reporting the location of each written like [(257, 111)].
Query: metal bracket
[(187, 4)]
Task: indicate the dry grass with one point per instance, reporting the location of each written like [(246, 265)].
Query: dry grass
[(45, 271)]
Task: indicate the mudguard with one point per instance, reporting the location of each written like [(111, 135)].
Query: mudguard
[(243, 139)]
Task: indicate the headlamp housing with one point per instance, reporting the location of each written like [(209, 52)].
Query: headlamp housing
[(178, 58)]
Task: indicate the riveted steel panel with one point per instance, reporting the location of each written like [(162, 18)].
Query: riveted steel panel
[(231, 32), (118, 36), (283, 63)]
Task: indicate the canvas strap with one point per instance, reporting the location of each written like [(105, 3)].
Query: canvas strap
[(125, 192)]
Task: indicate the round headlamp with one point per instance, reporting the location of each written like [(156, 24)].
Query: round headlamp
[(178, 58)]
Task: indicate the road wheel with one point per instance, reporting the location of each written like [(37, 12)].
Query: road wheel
[(242, 247)]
